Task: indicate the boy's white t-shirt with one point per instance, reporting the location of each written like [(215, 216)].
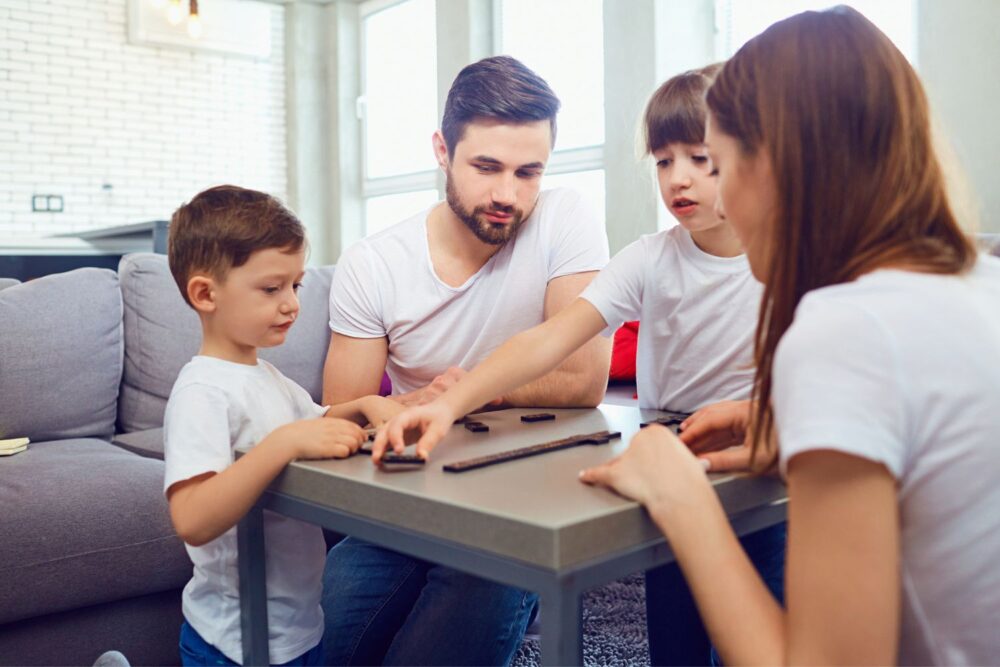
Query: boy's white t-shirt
[(385, 285), (697, 315), (216, 406), (903, 369)]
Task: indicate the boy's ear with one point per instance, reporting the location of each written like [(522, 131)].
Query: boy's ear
[(440, 149), (201, 293)]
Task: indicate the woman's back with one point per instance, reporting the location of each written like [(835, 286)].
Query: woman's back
[(904, 368)]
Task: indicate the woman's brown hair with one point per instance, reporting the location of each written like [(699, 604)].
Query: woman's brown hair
[(843, 119)]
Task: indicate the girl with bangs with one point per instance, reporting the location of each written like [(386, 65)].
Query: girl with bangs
[(877, 370)]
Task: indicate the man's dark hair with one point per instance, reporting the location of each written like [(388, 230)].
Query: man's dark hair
[(500, 88), (677, 111), (221, 227)]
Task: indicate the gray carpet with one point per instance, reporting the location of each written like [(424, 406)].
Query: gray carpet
[(614, 627)]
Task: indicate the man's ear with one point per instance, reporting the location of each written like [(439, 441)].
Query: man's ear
[(201, 293), (440, 150)]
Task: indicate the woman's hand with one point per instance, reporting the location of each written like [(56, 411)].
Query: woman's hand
[(717, 435), (431, 422), (656, 470)]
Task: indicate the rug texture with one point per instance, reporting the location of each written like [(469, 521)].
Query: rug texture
[(614, 627)]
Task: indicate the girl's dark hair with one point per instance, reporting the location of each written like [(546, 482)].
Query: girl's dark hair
[(677, 111)]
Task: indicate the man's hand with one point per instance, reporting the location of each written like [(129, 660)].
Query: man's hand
[(437, 387), (717, 435), (322, 438), (431, 422)]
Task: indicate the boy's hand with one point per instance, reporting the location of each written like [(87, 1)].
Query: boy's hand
[(323, 438), (378, 410)]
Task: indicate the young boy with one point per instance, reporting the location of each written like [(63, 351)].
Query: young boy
[(691, 288), (237, 256)]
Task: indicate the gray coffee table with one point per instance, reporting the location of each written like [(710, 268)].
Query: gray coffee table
[(527, 523)]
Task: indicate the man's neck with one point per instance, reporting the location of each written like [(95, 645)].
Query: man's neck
[(456, 253)]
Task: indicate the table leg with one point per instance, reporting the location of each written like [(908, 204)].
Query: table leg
[(253, 589), (562, 627)]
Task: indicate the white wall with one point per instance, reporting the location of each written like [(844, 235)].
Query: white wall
[(80, 107), (958, 56)]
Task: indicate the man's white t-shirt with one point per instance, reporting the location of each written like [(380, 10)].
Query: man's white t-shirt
[(385, 285), (697, 315), (215, 407), (903, 369)]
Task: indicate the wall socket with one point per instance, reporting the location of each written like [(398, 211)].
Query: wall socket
[(47, 203)]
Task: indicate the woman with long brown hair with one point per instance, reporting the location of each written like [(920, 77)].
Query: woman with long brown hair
[(878, 369)]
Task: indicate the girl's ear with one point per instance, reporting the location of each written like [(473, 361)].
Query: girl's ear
[(201, 293)]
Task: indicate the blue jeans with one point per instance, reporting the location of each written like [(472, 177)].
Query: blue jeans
[(195, 651), (383, 607), (676, 633)]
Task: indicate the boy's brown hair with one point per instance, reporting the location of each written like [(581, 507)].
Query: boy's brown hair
[(221, 227), (677, 111)]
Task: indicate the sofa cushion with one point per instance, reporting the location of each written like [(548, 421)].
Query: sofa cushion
[(144, 443), (60, 355), (162, 333), (83, 522)]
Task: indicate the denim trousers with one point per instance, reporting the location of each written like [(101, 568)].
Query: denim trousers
[(383, 607), (676, 634), (195, 652)]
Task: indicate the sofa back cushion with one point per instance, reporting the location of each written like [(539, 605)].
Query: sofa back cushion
[(162, 333), (60, 356)]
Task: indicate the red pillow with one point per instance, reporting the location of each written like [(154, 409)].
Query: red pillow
[(623, 352)]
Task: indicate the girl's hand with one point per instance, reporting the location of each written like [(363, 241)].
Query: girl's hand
[(717, 434), (431, 422), (656, 470)]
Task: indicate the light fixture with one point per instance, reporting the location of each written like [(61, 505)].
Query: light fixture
[(194, 26), (174, 12)]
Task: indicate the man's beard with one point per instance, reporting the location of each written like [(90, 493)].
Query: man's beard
[(493, 233)]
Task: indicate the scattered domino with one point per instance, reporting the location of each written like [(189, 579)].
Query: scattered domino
[(538, 417), (391, 461), (476, 427)]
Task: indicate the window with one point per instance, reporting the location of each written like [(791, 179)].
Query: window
[(740, 20), (398, 108), (563, 42)]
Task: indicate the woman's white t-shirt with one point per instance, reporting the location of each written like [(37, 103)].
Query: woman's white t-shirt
[(903, 369)]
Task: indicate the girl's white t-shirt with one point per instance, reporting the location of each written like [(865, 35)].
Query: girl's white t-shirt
[(697, 315), (903, 369), (215, 407)]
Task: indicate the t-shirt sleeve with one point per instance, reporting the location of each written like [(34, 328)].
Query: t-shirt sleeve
[(837, 386), (305, 407), (616, 292), (196, 434), (579, 240), (354, 307)]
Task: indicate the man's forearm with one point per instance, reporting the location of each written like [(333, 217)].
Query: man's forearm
[(579, 382)]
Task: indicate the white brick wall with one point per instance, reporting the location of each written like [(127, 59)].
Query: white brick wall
[(80, 107)]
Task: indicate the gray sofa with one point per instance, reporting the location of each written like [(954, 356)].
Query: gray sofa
[(87, 360)]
